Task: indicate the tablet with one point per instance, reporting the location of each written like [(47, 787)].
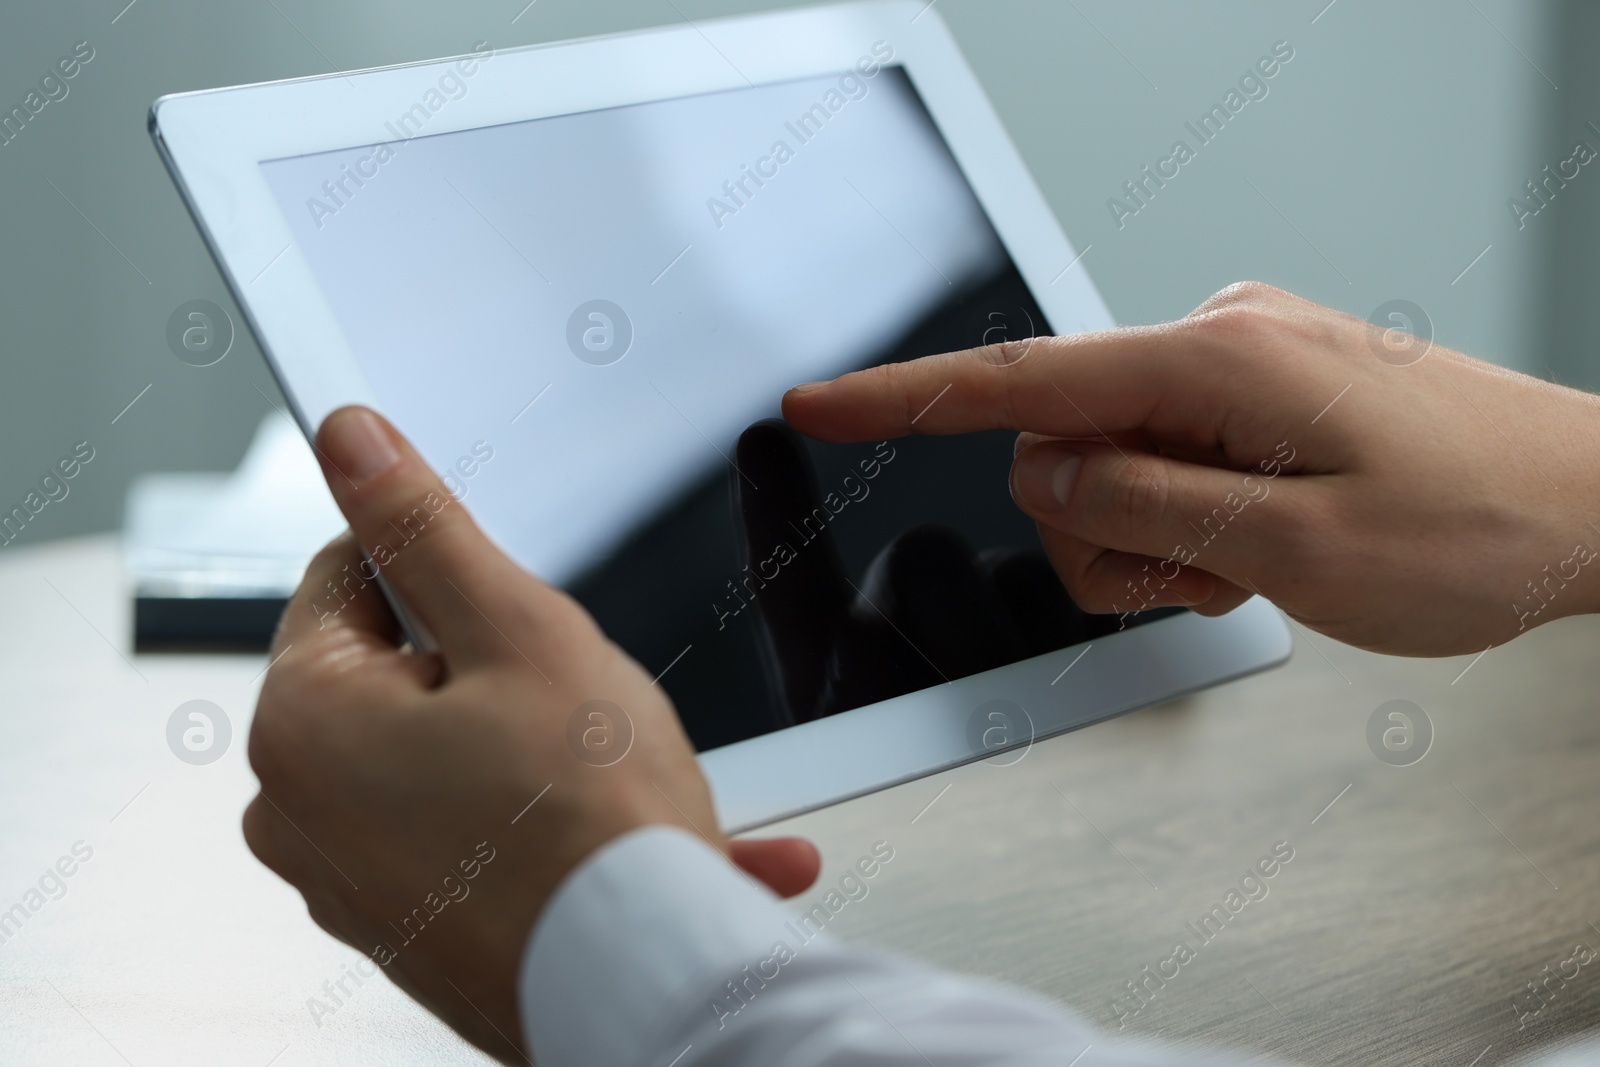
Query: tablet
[(580, 276)]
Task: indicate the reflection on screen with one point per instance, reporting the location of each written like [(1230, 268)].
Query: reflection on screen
[(609, 304)]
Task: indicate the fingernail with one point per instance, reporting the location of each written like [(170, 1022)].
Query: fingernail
[(805, 388), (357, 444), (1044, 475)]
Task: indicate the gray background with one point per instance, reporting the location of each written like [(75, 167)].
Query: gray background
[(1378, 167)]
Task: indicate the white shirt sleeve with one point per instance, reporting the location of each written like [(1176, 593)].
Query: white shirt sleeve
[(657, 952)]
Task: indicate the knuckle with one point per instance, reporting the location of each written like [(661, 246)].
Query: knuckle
[(284, 722), (1241, 293), (898, 380), (918, 384), (330, 917), (341, 556), (258, 834), (1002, 392), (1233, 329), (1094, 588), (266, 744), (1135, 493), (332, 556), (1083, 593), (1007, 353), (1074, 561)]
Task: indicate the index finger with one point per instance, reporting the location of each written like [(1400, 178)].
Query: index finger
[(338, 626), (1087, 385), (335, 595)]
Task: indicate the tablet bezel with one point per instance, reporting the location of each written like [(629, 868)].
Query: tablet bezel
[(214, 141)]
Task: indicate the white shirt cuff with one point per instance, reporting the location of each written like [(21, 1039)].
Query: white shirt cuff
[(650, 920)]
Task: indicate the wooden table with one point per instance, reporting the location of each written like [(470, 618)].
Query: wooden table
[(1419, 902)]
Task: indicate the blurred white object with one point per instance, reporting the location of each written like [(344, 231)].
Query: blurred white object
[(213, 556)]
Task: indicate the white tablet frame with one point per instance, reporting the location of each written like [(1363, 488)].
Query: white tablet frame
[(214, 141)]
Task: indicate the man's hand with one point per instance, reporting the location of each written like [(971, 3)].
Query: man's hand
[(1266, 444), (427, 806)]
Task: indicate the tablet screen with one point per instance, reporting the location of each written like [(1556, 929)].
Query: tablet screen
[(586, 323)]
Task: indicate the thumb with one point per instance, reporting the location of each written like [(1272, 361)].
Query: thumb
[(445, 570), (786, 865), (1229, 522)]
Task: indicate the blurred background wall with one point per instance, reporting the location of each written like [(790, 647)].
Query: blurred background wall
[(1567, 284), (1378, 167)]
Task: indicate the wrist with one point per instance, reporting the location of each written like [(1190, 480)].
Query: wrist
[(1565, 579)]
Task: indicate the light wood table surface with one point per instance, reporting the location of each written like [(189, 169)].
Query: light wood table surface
[(1415, 910)]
